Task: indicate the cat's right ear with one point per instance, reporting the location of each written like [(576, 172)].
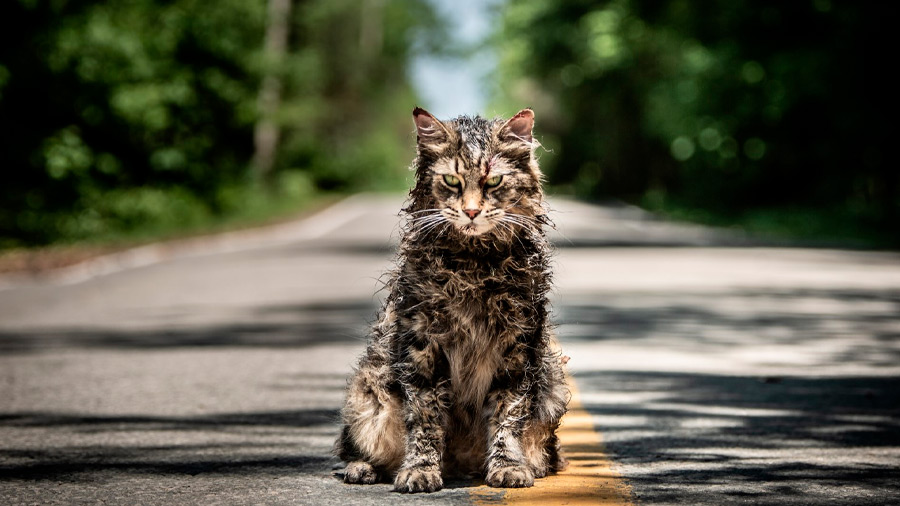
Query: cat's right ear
[(429, 130)]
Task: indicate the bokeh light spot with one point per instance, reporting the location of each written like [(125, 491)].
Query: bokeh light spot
[(728, 148), (754, 148), (710, 139), (571, 75), (822, 5), (753, 72), (688, 91), (682, 148)]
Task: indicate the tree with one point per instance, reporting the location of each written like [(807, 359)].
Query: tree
[(266, 133), (722, 106), (120, 116)]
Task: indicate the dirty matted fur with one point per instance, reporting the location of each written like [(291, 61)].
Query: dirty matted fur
[(459, 376)]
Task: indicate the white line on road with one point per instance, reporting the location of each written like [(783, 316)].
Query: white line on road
[(312, 227)]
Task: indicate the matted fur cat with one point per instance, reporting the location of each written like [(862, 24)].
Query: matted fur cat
[(459, 377)]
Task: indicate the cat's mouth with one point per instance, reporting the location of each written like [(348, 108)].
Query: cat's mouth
[(471, 229)]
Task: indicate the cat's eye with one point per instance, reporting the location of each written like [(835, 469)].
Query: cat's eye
[(451, 180), (493, 181)]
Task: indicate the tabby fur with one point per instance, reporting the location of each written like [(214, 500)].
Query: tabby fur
[(460, 376)]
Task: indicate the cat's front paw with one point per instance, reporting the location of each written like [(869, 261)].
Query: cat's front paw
[(418, 479), (510, 477), (360, 472)]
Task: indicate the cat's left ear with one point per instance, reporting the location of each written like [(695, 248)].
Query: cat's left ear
[(519, 126), (429, 129)]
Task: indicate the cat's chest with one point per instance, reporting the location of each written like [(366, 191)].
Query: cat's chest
[(478, 335), (479, 309), (474, 355), (473, 315)]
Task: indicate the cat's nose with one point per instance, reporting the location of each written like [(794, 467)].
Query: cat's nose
[(472, 213)]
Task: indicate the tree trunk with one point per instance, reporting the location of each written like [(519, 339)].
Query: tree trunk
[(267, 131)]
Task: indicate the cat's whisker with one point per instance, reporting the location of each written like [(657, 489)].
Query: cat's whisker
[(521, 216), (425, 211), (435, 229), (531, 224), (504, 226), (516, 202), (424, 220), (514, 234), (429, 219), (430, 213), (432, 224), (425, 230), (521, 220)]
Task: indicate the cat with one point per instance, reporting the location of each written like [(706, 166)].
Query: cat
[(460, 375)]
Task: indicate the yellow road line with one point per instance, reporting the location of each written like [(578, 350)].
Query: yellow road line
[(589, 479)]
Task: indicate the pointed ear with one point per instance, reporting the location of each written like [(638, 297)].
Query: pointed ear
[(519, 126), (428, 128)]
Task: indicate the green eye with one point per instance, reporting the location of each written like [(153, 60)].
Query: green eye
[(493, 181), (451, 180)]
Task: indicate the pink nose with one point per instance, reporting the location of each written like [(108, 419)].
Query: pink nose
[(472, 213)]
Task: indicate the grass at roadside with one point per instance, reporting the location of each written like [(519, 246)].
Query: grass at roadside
[(802, 226), (260, 208)]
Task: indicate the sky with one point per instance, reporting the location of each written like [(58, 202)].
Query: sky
[(451, 87)]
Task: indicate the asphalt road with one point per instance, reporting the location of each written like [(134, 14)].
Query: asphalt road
[(211, 371)]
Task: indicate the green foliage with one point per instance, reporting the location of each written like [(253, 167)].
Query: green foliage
[(139, 115), (722, 106)]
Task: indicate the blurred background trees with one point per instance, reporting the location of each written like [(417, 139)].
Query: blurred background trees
[(140, 115), (764, 113), (154, 115)]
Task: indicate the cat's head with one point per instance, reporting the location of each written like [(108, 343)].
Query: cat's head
[(476, 177)]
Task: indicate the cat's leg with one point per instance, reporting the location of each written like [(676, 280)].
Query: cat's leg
[(361, 472), (426, 409), (556, 460), (507, 464), (541, 449), (372, 436), (549, 400), (426, 417)]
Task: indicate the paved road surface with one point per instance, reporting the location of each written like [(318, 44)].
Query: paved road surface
[(211, 372)]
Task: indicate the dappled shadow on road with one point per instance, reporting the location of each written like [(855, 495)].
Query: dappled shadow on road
[(745, 396), (80, 464), (270, 443), (845, 326), (683, 438), (266, 326), (219, 422)]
